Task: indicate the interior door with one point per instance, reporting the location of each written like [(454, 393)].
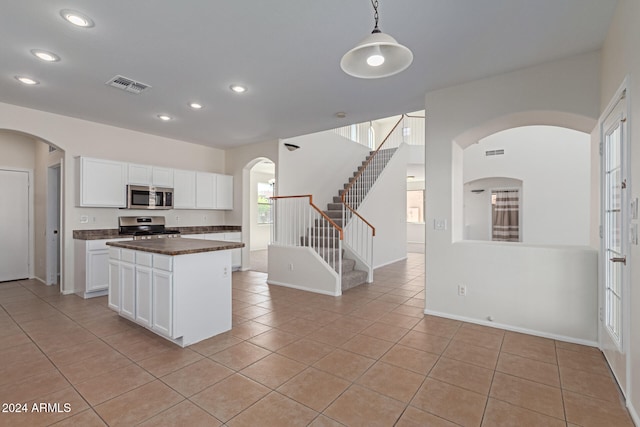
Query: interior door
[(614, 316), (14, 225)]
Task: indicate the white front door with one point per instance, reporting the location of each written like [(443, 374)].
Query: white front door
[(614, 288), (14, 225)]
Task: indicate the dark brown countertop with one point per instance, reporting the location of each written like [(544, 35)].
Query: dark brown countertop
[(113, 233), (178, 246)]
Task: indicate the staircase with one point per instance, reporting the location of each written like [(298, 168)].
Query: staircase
[(351, 276)]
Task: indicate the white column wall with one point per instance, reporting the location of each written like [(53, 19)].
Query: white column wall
[(503, 281)]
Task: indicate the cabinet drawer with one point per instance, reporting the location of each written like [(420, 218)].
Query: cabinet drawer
[(144, 258), (163, 262), (128, 255)]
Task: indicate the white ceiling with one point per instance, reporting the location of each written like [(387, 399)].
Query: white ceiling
[(286, 51)]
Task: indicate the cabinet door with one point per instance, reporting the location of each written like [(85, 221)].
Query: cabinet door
[(128, 289), (205, 190), (143, 295), (102, 183), (139, 174), (97, 270), (162, 177), (184, 189), (114, 285), (224, 192), (236, 254), (163, 302)]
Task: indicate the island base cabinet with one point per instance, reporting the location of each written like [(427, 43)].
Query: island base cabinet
[(114, 283), (128, 290), (184, 298), (143, 296)]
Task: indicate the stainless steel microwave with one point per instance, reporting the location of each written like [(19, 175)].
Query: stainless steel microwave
[(149, 197)]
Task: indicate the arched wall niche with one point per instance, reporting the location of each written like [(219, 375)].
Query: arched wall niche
[(588, 177)]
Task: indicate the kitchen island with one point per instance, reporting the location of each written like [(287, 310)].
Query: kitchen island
[(179, 288)]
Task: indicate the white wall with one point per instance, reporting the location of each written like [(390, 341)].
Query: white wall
[(619, 59), (301, 268), (385, 207), (548, 279), (82, 138), (554, 166), (322, 165)]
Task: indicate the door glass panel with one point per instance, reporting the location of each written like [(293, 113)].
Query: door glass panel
[(612, 231)]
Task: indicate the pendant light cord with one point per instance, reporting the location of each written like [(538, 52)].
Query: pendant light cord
[(374, 3)]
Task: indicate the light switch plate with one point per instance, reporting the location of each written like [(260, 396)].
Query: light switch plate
[(633, 234), (440, 224)]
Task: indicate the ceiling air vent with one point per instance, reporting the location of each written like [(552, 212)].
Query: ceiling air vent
[(494, 152), (128, 85)]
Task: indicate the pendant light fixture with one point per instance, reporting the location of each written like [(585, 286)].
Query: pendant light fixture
[(377, 55)]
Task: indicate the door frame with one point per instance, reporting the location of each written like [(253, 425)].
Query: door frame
[(54, 252), (623, 95)]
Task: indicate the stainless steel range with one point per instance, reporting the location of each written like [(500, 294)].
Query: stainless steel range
[(146, 227)]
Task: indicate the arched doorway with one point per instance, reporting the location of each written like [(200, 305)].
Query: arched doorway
[(259, 177), (44, 162)]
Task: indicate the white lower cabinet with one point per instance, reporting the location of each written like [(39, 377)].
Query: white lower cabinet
[(127, 290), (185, 298), (91, 267), (236, 254), (143, 295), (114, 279)]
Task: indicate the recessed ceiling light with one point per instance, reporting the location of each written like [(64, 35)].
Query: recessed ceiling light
[(164, 117), (76, 18), (341, 114), (238, 88), (44, 55), (27, 80), (195, 105)]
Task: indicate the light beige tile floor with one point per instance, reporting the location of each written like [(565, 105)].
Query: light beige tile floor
[(368, 358)]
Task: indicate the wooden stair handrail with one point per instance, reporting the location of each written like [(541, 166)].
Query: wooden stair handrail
[(325, 216)]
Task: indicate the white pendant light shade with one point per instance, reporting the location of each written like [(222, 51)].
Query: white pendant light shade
[(377, 48)]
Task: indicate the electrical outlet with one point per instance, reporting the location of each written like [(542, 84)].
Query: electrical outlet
[(84, 219), (225, 272), (204, 218), (291, 267), (177, 218), (462, 290)]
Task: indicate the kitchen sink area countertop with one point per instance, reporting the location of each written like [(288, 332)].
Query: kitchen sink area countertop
[(176, 246), (114, 233)]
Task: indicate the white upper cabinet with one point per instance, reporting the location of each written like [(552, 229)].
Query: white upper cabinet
[(184, 189), (150, 175), (162, 177), (102, 183), (140, 174), (206, 190), (224, 192)]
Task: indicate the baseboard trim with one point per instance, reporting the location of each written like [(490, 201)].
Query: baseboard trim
[(39, 280), (302, 288), (390, 262), (632, 411), (513, 328)]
